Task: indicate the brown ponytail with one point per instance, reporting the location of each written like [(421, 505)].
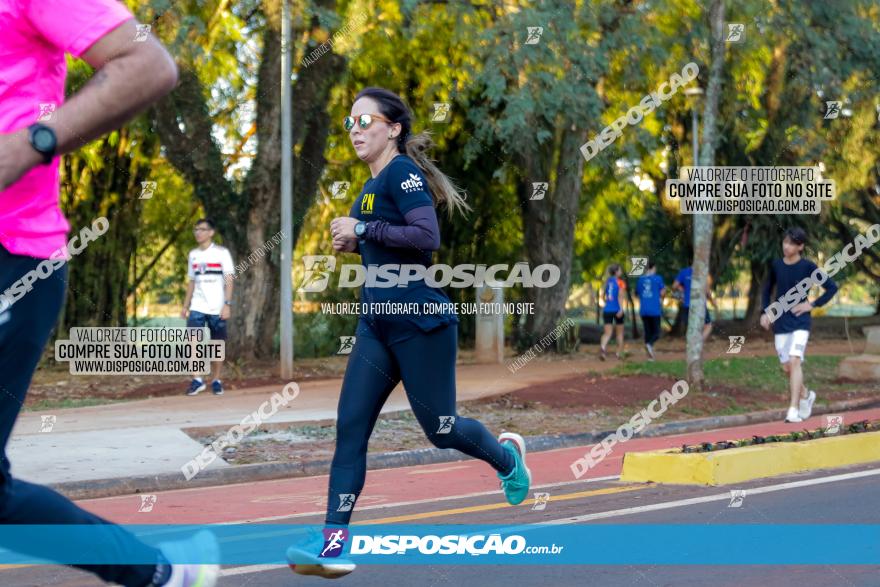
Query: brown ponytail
[(443, 189)]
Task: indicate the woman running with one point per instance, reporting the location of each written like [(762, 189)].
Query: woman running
[(613, 311), (394, 222)]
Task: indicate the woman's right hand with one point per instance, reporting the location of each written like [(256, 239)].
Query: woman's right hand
[(344, 245)]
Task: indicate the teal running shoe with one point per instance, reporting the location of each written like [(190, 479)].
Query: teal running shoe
[(319, 553), (516, 483)]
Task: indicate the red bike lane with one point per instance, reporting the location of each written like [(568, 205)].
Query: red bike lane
[(278, 499)]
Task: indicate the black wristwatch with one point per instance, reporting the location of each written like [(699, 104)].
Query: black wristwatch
[(43, 140), (360, 229)]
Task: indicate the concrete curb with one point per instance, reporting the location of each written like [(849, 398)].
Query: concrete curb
[(746, 463), (93, 489)]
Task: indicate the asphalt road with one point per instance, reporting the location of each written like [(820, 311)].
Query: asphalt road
[(842, 496)]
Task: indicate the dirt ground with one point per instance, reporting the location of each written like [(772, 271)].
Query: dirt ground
[(578, 404), (54, 385)]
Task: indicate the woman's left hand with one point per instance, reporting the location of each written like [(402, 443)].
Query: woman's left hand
[(343, 228)]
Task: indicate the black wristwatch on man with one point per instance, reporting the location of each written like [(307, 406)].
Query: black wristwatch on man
[(42, 138)]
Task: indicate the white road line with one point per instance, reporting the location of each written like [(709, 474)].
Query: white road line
[(710, 498), (614, 513), (421, 501)]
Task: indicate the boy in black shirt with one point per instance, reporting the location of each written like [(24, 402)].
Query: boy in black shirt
[(792, 327)]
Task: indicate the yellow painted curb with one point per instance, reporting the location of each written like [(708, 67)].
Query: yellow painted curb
[(734, 465)]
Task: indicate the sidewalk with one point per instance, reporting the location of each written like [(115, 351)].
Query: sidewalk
[(145, 438), (141, 446)]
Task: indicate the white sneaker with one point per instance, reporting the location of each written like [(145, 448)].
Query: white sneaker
[(805, 406), (793, 415)]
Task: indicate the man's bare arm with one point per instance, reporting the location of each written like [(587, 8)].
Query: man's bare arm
[(130, 76)]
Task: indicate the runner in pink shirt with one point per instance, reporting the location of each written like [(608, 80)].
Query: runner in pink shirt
[(37, 125)]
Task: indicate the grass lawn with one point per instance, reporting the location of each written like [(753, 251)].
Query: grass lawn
[(761, 374)]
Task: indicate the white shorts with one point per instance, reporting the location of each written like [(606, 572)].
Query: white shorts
[(791, 344)]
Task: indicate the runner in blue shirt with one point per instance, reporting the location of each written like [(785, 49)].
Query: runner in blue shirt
[(682, 283), (393, 222), (612, 313), (650, 290)]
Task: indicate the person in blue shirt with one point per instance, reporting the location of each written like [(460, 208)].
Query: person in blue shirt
[(612, 313), (682, 284), (792, 328), (650, 290), (394, 222)]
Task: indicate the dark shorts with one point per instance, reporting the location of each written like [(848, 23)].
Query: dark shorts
[(706, 320), (611, 318), (216, 325)]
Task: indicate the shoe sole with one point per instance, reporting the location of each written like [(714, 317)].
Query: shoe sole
[(326, 570), (521, 446)]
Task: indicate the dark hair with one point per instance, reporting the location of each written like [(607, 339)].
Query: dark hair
[(796, 234), (650, 263), (415, 146), (207, 221), (613, 268)]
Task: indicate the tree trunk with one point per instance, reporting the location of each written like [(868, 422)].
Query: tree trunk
[(248, 218), (753, 310), (549, 230), (703, 223)]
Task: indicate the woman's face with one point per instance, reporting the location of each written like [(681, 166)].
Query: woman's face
[(370, 142)]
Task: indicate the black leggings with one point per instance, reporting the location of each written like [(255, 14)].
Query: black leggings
[(24, 331), (652, 328), (426, 364)]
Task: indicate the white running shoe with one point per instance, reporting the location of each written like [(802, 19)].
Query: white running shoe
[(805, 406), (202, 546), (793, 416), (650, 350)]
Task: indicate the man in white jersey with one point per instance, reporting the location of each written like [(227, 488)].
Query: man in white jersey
[(208, 295)]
